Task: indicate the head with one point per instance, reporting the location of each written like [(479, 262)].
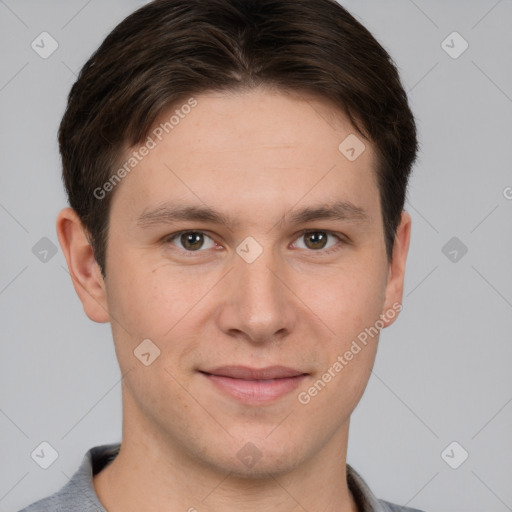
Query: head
[(282, 131)]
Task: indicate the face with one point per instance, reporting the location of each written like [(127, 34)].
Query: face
[(246, 241)]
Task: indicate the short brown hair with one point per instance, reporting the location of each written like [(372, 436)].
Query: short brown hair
[(171, 49)]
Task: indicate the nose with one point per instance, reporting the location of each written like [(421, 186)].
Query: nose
[(257, 303)]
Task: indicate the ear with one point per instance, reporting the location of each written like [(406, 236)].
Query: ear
[(83, 268), (395, 283)]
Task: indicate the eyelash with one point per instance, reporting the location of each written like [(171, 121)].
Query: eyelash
[(170, 238)]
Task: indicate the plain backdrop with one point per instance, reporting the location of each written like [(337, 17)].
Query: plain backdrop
[(442, 373)]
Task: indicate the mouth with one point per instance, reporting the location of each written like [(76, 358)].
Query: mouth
[(255, 385)]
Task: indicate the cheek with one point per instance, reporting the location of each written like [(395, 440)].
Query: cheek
[(348, 301), (350, 307), (164, 304), (158, 305)]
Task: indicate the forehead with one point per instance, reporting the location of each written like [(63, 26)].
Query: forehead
[(256, 148)]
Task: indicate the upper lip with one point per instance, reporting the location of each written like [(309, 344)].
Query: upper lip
[(247, 373)]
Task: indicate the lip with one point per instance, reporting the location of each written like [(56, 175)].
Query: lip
[(247, 373), (255, 385)]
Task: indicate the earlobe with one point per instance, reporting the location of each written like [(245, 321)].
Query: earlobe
[(396, 274), (83, 268)]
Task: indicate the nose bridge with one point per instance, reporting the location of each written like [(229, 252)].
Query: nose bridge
[(260, 305), (258, 283)]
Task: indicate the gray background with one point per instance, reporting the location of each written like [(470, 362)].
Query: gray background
[(443, 370)]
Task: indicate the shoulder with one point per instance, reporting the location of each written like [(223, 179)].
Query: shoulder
[(387, 506), (78, 493), (70, 497), (366, 500), (56, 502)]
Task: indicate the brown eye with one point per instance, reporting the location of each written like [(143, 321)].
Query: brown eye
[(316, 240), (191, 241)]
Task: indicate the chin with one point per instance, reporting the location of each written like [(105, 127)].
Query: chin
[(263, 469), (256, 460)]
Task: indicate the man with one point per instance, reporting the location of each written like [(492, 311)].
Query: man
[(236, 171)]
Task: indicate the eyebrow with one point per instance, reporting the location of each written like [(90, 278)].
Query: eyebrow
[(339, 210), (169, 213)]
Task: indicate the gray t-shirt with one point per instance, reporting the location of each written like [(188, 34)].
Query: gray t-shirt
[(78, 495)]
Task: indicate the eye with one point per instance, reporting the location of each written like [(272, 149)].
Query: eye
[(191, 241), (318, 240)]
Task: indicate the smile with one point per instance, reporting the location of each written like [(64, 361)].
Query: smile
[(255, 386)]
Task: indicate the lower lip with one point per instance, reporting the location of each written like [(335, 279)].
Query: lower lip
[(255, 391)]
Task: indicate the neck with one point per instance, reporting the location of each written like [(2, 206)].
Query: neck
[(173, 479)]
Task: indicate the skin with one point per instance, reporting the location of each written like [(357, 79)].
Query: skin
[(258, 156)]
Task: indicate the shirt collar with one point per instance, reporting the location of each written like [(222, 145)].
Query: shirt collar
[(365, 499)]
